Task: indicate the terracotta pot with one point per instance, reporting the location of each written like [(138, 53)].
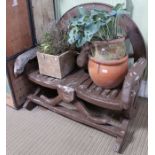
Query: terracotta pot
[(108, 74)]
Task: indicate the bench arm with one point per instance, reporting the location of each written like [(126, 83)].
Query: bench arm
[(22, 60), (132, 81)]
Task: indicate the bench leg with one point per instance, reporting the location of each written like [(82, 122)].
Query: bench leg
[(120, 140), (29, 105)]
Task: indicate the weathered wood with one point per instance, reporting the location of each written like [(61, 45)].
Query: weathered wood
[(56, 66), (67, 94), (98, 90), (78, 84), (82, 115), (78, 117), (71, 80), (131, 82), (86, 84), (18, 31), (126, 23), (74, 79), (105, 92), (82, 109), (92, 87), (120, 140), (22, 60), (39, 79), (28, 104), (82, 58), (78, 81), (114, 93), (43, 13), (20, 85), (98, 100), (53, 101), (67, 86)]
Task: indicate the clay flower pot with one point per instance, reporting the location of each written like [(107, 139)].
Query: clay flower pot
[(108, 73)]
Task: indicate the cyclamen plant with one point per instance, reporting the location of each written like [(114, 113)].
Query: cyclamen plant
[(95, 25)]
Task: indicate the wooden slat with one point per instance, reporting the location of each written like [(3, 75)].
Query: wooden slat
[(92, 87), (86, 84), (79, 82), (98, 90), (73, 79), (105, 92), (43, 80), (43, 11), (114, 93)]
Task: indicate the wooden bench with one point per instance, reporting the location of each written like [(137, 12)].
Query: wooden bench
[(79, 99)]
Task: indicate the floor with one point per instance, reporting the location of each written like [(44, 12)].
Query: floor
[(42, 132)]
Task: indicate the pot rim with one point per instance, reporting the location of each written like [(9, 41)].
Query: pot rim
[(109, 62), (59, 55), (113, 41)]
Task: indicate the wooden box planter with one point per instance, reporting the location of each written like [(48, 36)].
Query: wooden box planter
[(56, 66)]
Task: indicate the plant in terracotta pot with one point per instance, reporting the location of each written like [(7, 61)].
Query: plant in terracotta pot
[(108, 62), (55, 58)]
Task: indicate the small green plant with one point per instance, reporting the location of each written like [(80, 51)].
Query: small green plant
[(95, 25), (54, 42)]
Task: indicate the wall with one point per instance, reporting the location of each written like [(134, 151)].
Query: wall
[(140, 16)]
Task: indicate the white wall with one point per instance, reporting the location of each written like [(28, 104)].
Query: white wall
[(140, 16), (67, 4)]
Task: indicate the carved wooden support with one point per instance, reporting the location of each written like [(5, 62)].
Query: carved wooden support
[(53, 101), (107, 120), (66, 93), (80, 85), (82, 59), (28, 104), (83, 110), (120, 140), (83, 116), (131, 83), (115, 131), (22, 60)]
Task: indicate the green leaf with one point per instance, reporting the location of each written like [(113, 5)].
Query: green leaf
[(94, 25), (73, 35), (93, 28), (81, 42), (118, 6)]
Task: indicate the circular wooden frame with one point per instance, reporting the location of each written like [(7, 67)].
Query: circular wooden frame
[(126, 22)]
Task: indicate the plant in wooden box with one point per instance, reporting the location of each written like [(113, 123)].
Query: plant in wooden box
[(108, 62), (54, 57)]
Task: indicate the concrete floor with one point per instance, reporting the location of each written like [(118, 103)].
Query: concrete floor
[(42, 132)]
